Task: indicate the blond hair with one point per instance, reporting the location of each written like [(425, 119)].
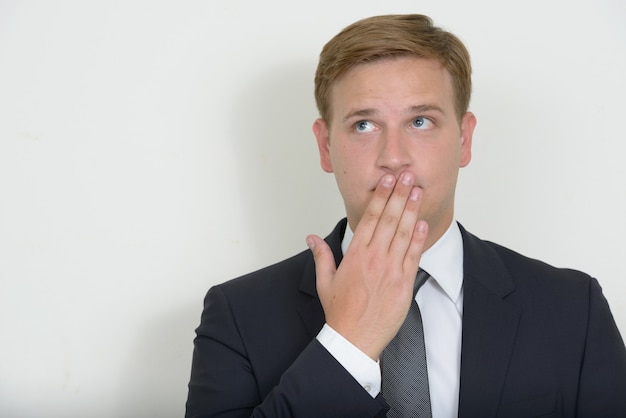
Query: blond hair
[(383, 37)]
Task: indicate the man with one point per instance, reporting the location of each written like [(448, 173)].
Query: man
[(504, 335)]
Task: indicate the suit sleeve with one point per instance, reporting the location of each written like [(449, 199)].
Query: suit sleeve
[(602, 387), (223, 382)]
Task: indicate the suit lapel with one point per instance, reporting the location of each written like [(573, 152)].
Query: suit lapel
[(311, 310), (490, 325)]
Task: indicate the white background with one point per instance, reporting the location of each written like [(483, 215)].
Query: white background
[(151, 149)]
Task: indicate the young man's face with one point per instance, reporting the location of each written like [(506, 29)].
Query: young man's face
[(392, 116)]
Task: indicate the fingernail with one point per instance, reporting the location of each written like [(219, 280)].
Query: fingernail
[(387, 180), (415, 194), (406, 179), (310, 243)]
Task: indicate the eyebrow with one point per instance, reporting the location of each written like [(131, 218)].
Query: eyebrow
[(365, 113), (426, 108)]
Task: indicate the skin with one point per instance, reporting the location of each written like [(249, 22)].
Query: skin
[(395, 145)]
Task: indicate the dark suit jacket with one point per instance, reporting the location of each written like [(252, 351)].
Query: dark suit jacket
[(537, 341)]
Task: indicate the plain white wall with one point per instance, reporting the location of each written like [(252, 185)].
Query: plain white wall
[(151, 149)]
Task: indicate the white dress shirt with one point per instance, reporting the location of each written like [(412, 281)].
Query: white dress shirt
[(440, 300)]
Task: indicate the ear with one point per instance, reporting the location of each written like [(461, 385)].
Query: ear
[(320, 130), (467, 131)]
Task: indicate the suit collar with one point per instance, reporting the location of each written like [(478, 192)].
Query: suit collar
[(483, 265)]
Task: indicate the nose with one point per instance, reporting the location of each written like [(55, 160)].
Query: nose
[(393, 155)]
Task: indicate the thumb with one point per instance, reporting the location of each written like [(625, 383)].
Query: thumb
[(324, 260)]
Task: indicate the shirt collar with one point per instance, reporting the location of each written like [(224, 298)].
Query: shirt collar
[(443, 261)]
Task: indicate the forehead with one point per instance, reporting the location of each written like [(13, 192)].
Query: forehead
[(402, 81)]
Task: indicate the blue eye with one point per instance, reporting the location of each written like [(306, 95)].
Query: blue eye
[(422, 123), (364, 126)]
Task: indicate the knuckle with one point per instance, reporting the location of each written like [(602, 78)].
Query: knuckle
[(388, 219), (370, 215), (403, 234)]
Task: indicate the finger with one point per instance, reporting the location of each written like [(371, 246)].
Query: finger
[(416, 248), (406, 226), (325, 267), (367, 225), (392, 214)]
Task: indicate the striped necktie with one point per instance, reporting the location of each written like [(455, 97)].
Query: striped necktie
[(403, 362)]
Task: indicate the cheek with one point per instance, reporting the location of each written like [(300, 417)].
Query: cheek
[(440, 171), (350, 175), (341, 161)]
